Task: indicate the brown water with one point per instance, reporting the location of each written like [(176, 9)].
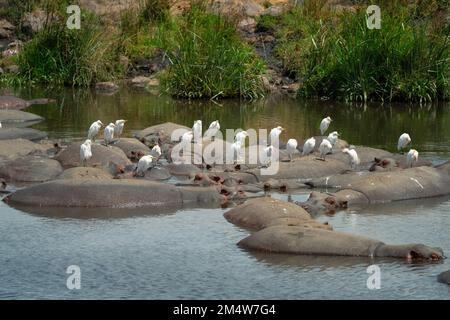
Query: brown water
[(193, 253)]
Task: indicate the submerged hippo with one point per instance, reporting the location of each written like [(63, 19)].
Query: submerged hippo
[(15, 148), (112, 193), (413, 183), (311, 239), (11, 102), (22, 133), (18, 118), (444, 277), (30, 169)]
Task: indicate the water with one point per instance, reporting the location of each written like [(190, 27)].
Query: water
[(192, 254)]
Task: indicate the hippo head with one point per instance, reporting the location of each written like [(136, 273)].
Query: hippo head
[(423, 252), (319, 202), (385, 164)]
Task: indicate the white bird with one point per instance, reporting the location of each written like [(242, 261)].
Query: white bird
[(275, 134), (197, 130), (0, 125), (186, 138), (325, 148), (324, 124), (403, 141), (156, 152), (240, 136), (236, 149), (144, 164), (108, 133), (266, 156), (309, 146), (214, 127), (291, 147), (119, 127), (85, 152), (94, 130), (411, 157), (353, 157), (333, 137)]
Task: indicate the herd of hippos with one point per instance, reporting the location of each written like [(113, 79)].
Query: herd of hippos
[(38, 175)]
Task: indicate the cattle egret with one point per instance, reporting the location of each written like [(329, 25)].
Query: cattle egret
[(197, 130), (236, 149), (352, 156), (0, 125), (156, 152), (309, 146), (108, 133), (291, 147), (324, 124), (333, 137), (144, 164), (403, 141), (266, 156), (275, 134), (94, 130), (85, 152), (240, 136), (325, 148), (119, 127), (214, 127), (411, 157)]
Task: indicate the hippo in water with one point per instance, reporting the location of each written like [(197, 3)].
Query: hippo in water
[(308, 237), (11, 102), (413, 183)]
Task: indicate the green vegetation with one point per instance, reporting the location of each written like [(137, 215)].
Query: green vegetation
[(336, 55)]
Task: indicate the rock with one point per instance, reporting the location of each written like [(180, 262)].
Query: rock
[(22, 133), (2, 71), (444, 277), (273, 11), (14, 69), (252, 9), (106, 87), (30, 169), (6, 29), (140, 81), (101, 156), (33, 22), (154, 82), (258, 213), (12, 149), (247, 24), (85, 173), (11, 102), (15, 117), (124, 62), (132, 147)]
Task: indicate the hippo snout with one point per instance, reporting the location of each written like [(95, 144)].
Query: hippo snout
[(423, 252)]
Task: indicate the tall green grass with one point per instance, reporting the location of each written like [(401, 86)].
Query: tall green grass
[(58, 55), (337, 56)]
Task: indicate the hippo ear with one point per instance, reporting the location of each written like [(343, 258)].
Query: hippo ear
[(377, 160), (343, 204)]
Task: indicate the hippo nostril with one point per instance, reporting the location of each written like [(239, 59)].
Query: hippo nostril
[(208, 167), (237, 167)]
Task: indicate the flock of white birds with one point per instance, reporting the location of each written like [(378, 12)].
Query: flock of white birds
[(113, 130)]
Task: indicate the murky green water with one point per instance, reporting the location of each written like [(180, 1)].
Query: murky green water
[(193, 253)]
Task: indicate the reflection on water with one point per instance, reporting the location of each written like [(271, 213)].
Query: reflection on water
[(192, 253)]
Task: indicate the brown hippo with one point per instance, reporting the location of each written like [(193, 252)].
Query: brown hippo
[(18, 118), (160, 133), (11, 102), (113, 193), (133, 148), (413, 183), (85, 173), (22, 133), (15, 148), (101, 156), (30, 169)]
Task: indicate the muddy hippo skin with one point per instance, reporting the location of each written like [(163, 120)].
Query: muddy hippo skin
[(10, 102), (30, 169), (444, 277), (18, 118), (101, 156), (133, 148), (413, 183), (160, 133), (22, 133), (15, 148), (85, 173), (260, 213), (304, 241), (112, 193)]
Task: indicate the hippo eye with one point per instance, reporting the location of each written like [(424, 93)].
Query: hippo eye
[(330, 200)]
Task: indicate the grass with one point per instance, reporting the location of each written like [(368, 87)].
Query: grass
[(60, 56), (337, 56)]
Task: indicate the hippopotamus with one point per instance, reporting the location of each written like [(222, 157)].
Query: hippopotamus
[(444, 277), (18, 118), (101, 156), (160, 133), (85, 173), (395, 162), (283, 228), (30, 169), (315, 241), (412, 183), (15, 148), (113, 193), (22, 133), (11, 102), (133, 148)]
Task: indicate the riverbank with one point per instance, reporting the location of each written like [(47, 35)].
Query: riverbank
[(247, 49)]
